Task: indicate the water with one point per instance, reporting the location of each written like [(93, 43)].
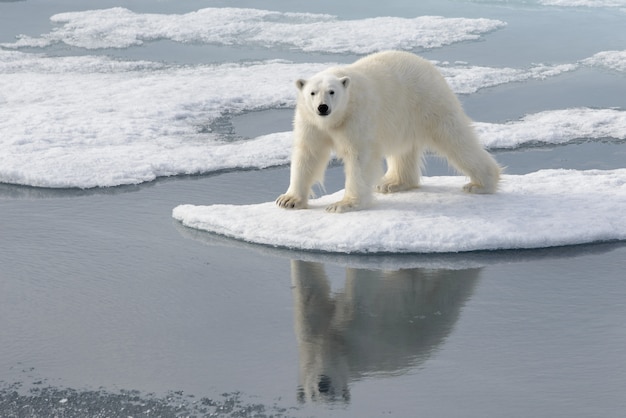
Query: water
[(110, 308)]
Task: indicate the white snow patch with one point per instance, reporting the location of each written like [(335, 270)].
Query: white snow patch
[(542, 209), (554, 127), (613, 60), (121, 28), (88, 121), (584, 3), (466, 79), (95, 122)]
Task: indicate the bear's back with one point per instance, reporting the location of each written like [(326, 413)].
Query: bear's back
[(402, 78), (399, 65)]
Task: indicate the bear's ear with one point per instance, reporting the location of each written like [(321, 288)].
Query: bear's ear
[(345, 81), (300, 83)]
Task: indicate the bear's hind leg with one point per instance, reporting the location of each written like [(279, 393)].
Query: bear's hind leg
[(458, 143), (403, 172)]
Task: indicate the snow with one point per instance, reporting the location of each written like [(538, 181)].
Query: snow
[(584, 3), (93, 121), (546, 208), (554, 127), (121, 28), (612, 60), (466, 79)]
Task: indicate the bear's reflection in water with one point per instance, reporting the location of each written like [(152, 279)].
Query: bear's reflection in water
[(381, 323)]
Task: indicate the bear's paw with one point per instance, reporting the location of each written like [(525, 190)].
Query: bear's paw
[(478, 189), (288, 201), (390, 186), (342, 206)]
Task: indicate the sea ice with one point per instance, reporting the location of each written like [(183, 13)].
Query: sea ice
[(584, 3), (467, 79), (542, 209), (612, 60), (554, 127), (120, 28), (93, 121)]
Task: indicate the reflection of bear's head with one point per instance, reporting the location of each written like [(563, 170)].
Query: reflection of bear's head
[(325, 388), (324, 96), (381, 323)]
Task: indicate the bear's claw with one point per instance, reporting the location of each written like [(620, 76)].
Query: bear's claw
[(290, 202)]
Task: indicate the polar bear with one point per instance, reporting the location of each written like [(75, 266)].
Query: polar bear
[(392, 105)]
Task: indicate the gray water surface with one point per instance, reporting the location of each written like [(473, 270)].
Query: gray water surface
[(102, 291)]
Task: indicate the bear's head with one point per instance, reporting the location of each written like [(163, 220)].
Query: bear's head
[(324, 95)]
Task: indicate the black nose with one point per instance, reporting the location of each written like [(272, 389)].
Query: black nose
[(322, 109)]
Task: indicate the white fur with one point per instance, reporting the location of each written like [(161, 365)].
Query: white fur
[(393, 105)]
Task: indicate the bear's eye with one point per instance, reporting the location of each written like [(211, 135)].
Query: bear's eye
[(331, 92), (312, 93)]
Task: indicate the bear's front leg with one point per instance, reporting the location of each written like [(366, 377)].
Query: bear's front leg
[(360, 170), (309, 160)]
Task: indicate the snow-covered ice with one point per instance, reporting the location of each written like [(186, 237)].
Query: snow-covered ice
[(93, 121), (554, 127), (466, 79), (612, 60), (546, 208), (120, 28), (584, 3)]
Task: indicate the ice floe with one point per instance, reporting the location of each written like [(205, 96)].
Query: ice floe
[(467, 79), (612, 60), (554, 127), (93, 121), (543, 209), (398, 261), (64, 124), (121, 28), (584, 3)]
